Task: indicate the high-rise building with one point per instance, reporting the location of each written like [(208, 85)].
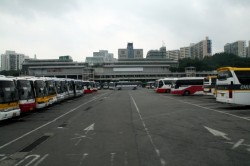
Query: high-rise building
[(157, 54), (107, 57), (184, 52), (248, 51), (103, 56), (173, 55), (238, 48), (130, 52), (201, 49), (12, 60)]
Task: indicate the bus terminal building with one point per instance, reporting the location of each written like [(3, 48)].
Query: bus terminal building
[(143, 70)]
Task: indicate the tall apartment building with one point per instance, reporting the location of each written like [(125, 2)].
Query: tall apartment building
[(12, 60), (184, 52), (201, 49), (130, 52), (103, 56), (157, 54), (248, 50), (107, 57), (238, 48), (173, 55)]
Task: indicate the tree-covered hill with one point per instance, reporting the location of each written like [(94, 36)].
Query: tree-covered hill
[(212, 63)]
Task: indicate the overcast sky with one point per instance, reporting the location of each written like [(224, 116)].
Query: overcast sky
[(51, 28)]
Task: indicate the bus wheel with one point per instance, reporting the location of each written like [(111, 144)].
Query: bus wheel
[(186, 93)]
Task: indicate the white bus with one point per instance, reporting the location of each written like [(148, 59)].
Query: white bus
[(8, 99), (187, 86), (209, 84), (164, 85), (233, 85), (127, 85), (112, 85)]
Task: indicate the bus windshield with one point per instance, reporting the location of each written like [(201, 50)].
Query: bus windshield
[(40, 88), (24, 90), (8, 92), (50, 87), (59, 86), (243, 77)]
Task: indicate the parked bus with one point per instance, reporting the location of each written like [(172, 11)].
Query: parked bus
[(70, 87), (164, 85), (112, 85), (87, 87), (105, 85), (150, 85), (51, 89), (187, 86), (26, 94), (127, 85), (78, 87), (93, 86), (40, 90), (61, 89), (233, 85), (209, 84), (9, 106)]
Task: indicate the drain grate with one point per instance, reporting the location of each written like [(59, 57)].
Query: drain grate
[(35, 143)]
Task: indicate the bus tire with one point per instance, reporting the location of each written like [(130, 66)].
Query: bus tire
[(186, 93)]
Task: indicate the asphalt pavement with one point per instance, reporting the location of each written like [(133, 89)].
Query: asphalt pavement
[(129, 128)]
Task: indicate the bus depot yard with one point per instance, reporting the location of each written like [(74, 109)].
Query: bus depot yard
[(131, 126)]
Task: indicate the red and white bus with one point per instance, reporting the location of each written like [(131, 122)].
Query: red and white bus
[(188, 86), (26, 94), (164, 85)]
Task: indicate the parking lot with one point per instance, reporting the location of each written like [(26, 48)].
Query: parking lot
[(129, 127)]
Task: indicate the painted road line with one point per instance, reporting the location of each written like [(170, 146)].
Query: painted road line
[(41, 160), (91, 127), (157, 151), (83, 158), (48, 123), (217, 133), (221, 112)]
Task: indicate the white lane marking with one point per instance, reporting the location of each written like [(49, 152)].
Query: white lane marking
[(157, 151), (112, 158), (3, 157), (78, 142), (91, 127), (83, 158), (221, 112), (41, 160), (126, 159), (46, 124), (217, 133), (237, 144), (35, 157)]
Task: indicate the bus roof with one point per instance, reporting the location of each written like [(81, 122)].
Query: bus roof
[(233, 68)]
